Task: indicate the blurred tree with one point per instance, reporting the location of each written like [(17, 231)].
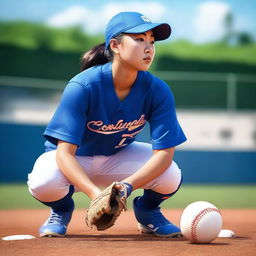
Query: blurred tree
[(229, 30), (40, 36), (244, 38), (44, 38), (77, 35), (18, 33), (231, 36)]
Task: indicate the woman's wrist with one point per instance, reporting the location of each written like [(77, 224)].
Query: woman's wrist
[(93, 192), (129, 188)]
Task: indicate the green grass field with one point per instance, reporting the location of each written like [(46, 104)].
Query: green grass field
[(16, 196)]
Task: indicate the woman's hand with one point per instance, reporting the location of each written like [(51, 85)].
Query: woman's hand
[(125, 189)]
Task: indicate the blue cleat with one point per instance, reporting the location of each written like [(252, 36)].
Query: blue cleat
[(56, 224), (153, 222)]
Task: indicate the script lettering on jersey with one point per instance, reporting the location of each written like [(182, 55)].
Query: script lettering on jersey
[(119, 126)]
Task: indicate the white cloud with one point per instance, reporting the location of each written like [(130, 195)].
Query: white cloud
[(70, 17), (209, 21), (94, 21), (202, 23)]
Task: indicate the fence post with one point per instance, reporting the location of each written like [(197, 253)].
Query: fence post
[(231, 91)]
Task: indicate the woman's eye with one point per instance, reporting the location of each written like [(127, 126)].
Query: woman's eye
[(140, 39)]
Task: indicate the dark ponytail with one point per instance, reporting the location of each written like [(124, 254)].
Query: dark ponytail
[(95, 56), (98, 55)]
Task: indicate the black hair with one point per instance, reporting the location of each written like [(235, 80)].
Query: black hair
[(98, 55)]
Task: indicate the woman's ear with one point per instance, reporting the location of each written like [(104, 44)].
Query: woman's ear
[(114, 46)]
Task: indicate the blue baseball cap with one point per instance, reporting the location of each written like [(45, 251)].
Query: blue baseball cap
[(134, 23)]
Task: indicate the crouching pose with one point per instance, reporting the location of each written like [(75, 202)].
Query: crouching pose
[(90, 140)]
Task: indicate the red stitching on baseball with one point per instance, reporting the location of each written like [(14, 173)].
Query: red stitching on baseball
[(197, 219)]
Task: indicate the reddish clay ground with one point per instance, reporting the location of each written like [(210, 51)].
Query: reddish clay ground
[(122, 239)]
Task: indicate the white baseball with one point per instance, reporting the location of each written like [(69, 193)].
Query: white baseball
[(201, 222)]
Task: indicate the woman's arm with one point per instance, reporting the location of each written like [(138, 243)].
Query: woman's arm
[(154, 167), (73, 171)]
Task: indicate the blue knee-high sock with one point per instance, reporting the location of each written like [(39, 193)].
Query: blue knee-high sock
[(64, 204), (152, 199)]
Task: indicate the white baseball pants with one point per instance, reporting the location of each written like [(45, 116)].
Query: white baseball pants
[(47, 183)]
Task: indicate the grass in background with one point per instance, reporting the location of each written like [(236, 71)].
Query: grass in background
[(210, 52), (16, 196), (36, 35)]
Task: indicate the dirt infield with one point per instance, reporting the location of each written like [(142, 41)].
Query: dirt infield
[(122, 239)]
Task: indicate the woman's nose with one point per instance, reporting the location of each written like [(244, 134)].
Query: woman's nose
[(149, 49)]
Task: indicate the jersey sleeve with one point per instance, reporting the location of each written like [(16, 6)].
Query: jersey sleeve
[(69, 121), (164, 126)]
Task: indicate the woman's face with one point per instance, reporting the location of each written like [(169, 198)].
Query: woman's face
[(137, 51)]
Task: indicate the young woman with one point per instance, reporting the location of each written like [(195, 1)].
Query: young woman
[(91, 137)]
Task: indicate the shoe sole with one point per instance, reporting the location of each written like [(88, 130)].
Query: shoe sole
[(144, 230), (51, 234)]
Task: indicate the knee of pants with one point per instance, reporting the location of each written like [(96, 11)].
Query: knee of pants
[(46, 182), (47, 192), (168, 182)]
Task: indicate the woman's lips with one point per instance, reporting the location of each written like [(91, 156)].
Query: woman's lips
[(148, 58)]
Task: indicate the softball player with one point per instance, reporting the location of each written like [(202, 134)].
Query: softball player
[(91, 137)]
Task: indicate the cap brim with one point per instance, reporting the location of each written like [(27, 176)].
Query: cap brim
[(161, 30)]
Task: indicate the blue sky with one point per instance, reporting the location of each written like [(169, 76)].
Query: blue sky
[(196, 20)]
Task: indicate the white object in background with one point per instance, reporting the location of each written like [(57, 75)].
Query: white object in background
[(201, 222), (226, 233), (18, 237)]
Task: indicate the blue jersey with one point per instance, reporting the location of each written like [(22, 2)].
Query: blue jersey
[(91, 116)]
